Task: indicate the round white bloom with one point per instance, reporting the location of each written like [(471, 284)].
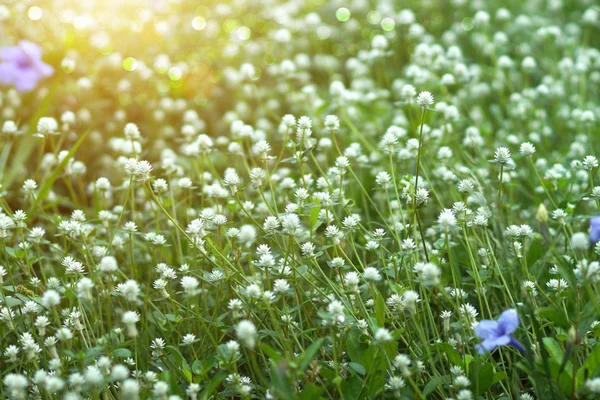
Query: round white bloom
[(246, 331), (425, 99)]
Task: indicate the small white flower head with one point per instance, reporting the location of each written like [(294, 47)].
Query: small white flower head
[(93, 376), (589, 162), (47, 126), (103, 184), (529, 288), (29, 185), (502, 156), (245, 331), (461, 381), (430, 274), (160, 186), (464, 394), (131, 131), (447, 219), (119, 372), (130, 289), (593, 385), (527, 149), (395, 383), (410, 298), (129, 319), (408, 92), (142, 170), (308, 249), (9, 128), (188, 339), (130, 389), (383, 335), (184, 183), (51, 298), (190, 285), (580, 241), (332, 123), (129, 227), (557, 285), (16, 384), (371, 274), (425, 99), (108, 264)]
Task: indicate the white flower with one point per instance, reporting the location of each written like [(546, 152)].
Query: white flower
[(383, 335), (51, 298), (527, 149), (108, 264), (425, 99), (130, 318), (190, 285), (502, 155), (47, 126), (371, 274), (246, 332)]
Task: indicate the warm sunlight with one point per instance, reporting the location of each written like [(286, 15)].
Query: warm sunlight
[(299, 199)]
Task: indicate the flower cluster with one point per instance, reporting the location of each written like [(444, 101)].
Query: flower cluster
[(287, 199)]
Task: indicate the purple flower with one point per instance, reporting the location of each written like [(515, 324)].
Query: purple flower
[(22, 66), (595, 229), (498, 333)]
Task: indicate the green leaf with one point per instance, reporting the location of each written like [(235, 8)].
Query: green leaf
[(498, 376), (553, 348), (355, 347), (451, 353), (213, 385), (11, 302), (26, 143), (282, 388), (306, 357), (52, 178), (314, 214), (481, 373), (270, 352), (380, 310), (310, 392), (590, 365), (180, 362), (554, 315), (434, 383), (563, 379), (122, 353), (356, 367), (556, 353)]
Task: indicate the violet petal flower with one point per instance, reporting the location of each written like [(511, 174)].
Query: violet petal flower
[(595, 229), (498, 333), (22, 66)]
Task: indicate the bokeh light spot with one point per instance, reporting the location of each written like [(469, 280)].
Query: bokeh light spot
[(198, 23), (66, 16), (130, 64), (80, 22), (269, 58), (388, 24), (373, 17), (200, 100), (339, 50), (343, 14), (35, 13), (243, 33), (323, 32), (230, 25), (467, 24), (175, 73)]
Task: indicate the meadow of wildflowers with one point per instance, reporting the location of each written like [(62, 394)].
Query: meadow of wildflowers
[(299, 199)]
